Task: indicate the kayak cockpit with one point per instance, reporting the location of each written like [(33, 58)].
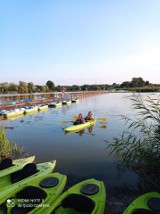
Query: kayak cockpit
[(28, 170), (31, 196), (76, 203), (6, 163)]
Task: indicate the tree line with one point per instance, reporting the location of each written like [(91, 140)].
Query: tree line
[(24, 87)]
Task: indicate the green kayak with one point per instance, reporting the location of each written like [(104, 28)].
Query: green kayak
[(34, 197), (10, 182), (85, 197), (148, 203), (7, 166), (74, 128)]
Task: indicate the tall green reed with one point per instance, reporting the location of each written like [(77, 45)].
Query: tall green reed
[(8, 149), (138, 147)]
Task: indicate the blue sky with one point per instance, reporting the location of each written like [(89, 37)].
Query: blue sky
[(79, 41)]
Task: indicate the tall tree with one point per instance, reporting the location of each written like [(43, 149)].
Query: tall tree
[(12, 87), (44, 88), (125, 84), (30, 87), (85, 87), (137, 82), (4, 87), (50, 85), (23, 87)]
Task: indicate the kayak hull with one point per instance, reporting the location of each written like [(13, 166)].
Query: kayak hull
[(79, 127), (13, 114), (66, 102), (30, 110), (143, 204), (88, 196), (10, 182), (45, 190), (41, 108), (75, 100), (54, 105)]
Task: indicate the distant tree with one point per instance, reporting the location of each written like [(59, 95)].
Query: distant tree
[(37, 88), (23, 87), (30, 87), (58, 88), (84, 87), (137, 82), (12, 87), (4, 87), (147, 83), (75, 88), (50, 85), (43, 88), (106, 87), (125, 84), (102, 87), (1, 88), (46, 88), (93, 87), (115, 85)]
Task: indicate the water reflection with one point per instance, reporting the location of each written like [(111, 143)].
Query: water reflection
[(78, 154), (88, 131)]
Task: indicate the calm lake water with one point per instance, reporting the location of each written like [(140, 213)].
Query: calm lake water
[(78, 156)]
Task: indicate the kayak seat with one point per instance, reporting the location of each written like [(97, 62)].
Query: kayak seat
[(19, 210), (154, 204), (32, 195), (6, 163), (80, 203), (143, 211), (32, 192), (28, 170), (76, 123)]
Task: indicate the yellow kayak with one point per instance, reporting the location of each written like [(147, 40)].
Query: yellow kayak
[(74, 128)]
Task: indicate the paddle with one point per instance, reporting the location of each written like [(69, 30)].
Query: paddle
[(74, 116), (103, 126), (64, 121), (102, 118)]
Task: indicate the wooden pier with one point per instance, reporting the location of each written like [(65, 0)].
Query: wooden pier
[(12, 101)]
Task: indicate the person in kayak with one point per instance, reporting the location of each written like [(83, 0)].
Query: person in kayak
[(79, 120), (89, 116)]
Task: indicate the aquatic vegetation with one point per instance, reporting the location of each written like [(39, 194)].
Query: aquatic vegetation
[(138, 147), (8, 149)]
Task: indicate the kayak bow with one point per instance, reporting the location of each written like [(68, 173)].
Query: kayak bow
[(36, 196), (148, 203), (88, 196)]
